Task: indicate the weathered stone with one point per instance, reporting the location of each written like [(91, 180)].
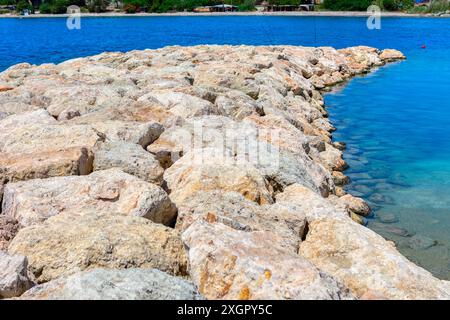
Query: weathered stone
[(66, 244), (237, 105), (207, 170), (272, 145), (356, 205), (130, 158), (8, 230), (339, 178), (104, 192), (181, 104), (332, 159), (14, 278), (40, 150), (233, 210), (107, 284), (369, 265), (231, 264), (142, 133), (309, 203), (391, 55)]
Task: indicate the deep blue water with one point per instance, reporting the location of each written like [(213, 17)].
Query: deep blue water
[(396, 121)]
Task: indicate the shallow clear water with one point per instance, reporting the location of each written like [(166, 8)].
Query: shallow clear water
[(396, 121)]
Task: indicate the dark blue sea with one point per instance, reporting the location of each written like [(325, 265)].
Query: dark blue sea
[(395, 121)]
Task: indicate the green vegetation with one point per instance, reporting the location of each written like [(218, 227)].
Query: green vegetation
[(54, 6), (435, 6), (159, 6), (24, 5), (362, 5)]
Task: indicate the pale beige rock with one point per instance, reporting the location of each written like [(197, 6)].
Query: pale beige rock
[(391, 55), (231, 264), (130, 158), (142, 133), (40, 137), (366, 263), (181, 104), (208, 169), (237, 105), (309, 203), (233, 210), (66, 244), (103, 192), (197, 132), (40, 116), (356, 205), (331, 158), (36, 165), (39, 150), (276, 148)]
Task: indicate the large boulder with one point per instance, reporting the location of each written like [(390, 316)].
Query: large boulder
[(130, 158), (30, 150), (230, 264), (103, 192), (366, 263), (210, 169), (14, 279), (64, 245), (235, 211), (112, 284), (309, 203), (142, 133), (276, 148)]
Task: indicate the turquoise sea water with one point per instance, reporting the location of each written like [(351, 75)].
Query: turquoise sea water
[(396, 121)]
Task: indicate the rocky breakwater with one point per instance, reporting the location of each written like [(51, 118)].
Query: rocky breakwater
[(188, 172)]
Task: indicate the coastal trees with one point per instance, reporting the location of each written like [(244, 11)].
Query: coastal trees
[(133, 6), (54, 6), (347, 5), (362, 5), (97, 5), (23, 5)]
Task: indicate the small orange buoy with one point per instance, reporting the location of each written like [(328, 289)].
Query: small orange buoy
[(424, 46)]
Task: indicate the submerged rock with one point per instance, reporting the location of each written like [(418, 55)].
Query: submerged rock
[(382, 229), (110, 284), (419, 242), (387, 217), (381, 199)]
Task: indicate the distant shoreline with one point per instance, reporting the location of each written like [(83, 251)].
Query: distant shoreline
[(212, 14)]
